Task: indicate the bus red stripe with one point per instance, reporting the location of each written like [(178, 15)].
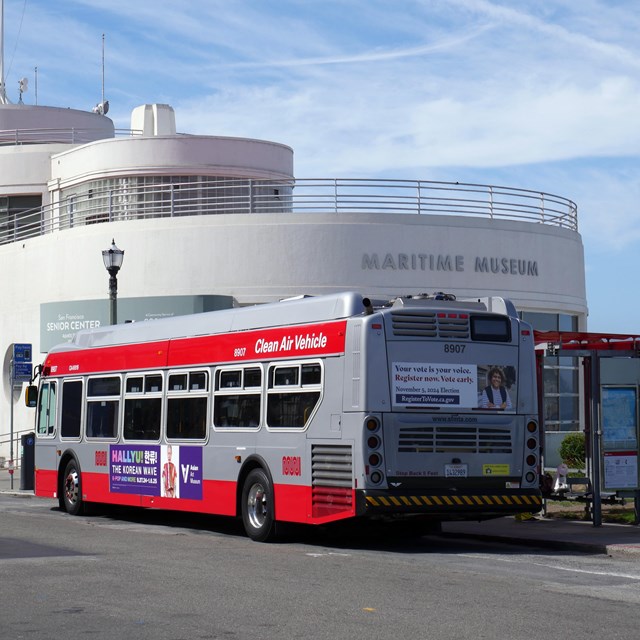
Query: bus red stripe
[(293, 502)]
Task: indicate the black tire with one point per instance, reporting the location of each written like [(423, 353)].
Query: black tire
[(72, 489), (258, 507)]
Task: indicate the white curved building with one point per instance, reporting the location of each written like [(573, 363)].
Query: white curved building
[(211, 222)]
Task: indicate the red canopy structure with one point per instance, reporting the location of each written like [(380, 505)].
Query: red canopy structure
[(592, 348), (584, 340)]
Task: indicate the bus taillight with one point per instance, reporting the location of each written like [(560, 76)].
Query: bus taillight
[(375, 460), (374, 454), (373, 442), (373, 424)]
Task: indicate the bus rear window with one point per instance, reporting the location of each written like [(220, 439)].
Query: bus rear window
[(490, 329)]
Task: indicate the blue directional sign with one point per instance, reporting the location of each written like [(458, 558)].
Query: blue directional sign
[(22, 371), (22, 352)]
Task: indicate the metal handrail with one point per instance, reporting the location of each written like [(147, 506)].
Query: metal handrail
[(17, 437), (301, 196), (65, 135)]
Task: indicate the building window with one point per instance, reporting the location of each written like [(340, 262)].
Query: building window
[(136, 197), (20, 216), (561, 383)]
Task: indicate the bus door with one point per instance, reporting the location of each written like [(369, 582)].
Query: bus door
[(46, 447)]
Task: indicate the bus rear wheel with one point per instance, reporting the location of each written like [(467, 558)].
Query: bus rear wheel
[(72, 489), (258, 506)]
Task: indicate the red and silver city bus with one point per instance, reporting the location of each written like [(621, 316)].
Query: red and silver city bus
[(307, 410)]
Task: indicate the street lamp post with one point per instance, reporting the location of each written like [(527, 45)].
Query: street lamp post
[(113, 258)]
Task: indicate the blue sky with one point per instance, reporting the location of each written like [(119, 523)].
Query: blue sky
[(523, 93)]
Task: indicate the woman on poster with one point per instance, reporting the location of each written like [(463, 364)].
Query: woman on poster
[(495, 394)]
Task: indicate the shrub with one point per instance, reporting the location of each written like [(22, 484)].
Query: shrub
[(572, 450)]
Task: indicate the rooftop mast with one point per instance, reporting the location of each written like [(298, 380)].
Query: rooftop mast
[(3, 92)]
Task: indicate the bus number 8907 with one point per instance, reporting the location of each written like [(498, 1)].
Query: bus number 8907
[(454, 348)]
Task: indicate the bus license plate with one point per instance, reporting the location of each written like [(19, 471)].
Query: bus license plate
[(456, 470)]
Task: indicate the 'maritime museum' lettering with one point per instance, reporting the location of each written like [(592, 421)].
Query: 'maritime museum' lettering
[(446, 262)]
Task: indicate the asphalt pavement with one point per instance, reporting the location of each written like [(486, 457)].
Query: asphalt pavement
[(546, 532)]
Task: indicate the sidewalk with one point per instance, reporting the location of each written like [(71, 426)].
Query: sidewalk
[(5, 482), (553, 533), (550, 533)]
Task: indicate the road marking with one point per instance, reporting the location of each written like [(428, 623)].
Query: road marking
[(611, 574)]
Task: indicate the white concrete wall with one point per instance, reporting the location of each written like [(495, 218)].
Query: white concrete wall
[(25, 169), (263, 257), (172, 155), (42, 121), (260, 257)]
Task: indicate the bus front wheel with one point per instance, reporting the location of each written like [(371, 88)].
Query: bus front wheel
[(258, 506), (72, 489)]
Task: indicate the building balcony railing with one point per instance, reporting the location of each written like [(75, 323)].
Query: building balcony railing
[(64, 135), (132, 200)]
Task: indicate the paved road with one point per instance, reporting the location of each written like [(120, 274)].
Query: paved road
[(142, 574)]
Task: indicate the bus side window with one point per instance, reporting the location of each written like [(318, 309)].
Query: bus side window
[(103, 404), (294, 391), (143, 407), (47, 409), (238, 398), (187, 405), (71, 409), (187, 418), (102, 419), (142, 418)]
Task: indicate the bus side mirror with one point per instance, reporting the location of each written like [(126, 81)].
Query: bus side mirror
[(31, 396)]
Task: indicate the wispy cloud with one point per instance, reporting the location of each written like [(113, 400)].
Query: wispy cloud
[(532, 90), (368, 56), (582, 41)]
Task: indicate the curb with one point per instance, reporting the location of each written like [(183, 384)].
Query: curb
[(20, 493), (557, 545)]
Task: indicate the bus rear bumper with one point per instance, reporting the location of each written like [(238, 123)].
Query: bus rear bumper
[(448, 505)]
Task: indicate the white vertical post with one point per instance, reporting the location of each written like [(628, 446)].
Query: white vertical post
[(11, 452)]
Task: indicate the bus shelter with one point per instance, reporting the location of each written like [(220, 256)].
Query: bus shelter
[(610, 383)]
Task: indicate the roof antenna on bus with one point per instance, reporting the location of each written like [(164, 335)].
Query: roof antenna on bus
[(368, 307), (441, 295)]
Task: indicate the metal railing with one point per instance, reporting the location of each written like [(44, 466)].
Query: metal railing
[(215, 196), (5, 442), (64, 135)]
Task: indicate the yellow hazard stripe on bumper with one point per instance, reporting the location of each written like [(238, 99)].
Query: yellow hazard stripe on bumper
[(474, 501)]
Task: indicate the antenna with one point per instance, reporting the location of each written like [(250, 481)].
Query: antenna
[(102, 107), (3, 93), (103, 68), (23, 83), (35, 71)]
